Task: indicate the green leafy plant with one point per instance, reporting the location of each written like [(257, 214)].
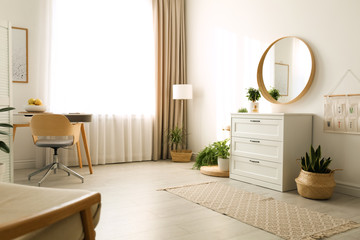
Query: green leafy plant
[(253, 94), (3, 146), (176, 137), (242, 110), (314, 162), (208, 156), (274, 93), (222, 148)]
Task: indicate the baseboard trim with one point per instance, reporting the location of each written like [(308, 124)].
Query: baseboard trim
[(23, 164), (347, 189)]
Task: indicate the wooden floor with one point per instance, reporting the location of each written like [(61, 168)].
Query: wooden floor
[(132, 208)]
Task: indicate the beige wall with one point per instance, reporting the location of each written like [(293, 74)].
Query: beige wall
[(225, 40), (28, 14)]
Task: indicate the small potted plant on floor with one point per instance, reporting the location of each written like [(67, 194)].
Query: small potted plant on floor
[(253, 95), (316, 180), (223, 154), (176, 138), (274, 93), (206, 157)]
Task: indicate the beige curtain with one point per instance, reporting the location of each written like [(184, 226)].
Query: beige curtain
[(170, 65)]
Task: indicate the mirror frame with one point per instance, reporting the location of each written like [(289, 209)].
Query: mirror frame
[(260, 80)]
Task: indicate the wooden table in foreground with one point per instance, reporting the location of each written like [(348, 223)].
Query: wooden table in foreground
[(73, 117)]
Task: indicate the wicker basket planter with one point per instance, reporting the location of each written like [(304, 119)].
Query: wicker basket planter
[(315, 185), (181, 155)]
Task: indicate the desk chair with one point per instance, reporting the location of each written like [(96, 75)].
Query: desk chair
[(73, 117), (54, 125)]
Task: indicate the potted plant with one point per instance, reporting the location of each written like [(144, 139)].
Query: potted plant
[(242, 110), (3, 146), (206, 157), (253, 96), (274, 93), (214, 154), (223, 154), (316, 180), (176, 138)]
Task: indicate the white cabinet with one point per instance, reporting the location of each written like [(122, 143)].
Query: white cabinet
[(264, 148)]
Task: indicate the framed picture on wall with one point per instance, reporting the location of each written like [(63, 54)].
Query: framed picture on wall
[(20, 71)]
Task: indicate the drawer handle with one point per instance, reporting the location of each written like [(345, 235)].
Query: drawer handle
[(253, 161), (254, 120), (254, 141)]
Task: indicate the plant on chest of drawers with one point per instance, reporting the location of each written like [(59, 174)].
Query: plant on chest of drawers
[(316, 180), (253, 96), (176, 140), (242, 110), (223, 153)]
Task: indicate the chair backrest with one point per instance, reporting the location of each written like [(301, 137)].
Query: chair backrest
[(51, 125)]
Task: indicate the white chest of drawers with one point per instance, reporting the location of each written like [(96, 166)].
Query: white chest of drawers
[(264, 148)]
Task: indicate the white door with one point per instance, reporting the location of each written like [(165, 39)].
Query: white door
[(6, 160)]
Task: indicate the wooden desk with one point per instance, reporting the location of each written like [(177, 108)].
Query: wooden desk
[(73, 118)]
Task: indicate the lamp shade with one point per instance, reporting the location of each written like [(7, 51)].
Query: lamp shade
[(182, 91)]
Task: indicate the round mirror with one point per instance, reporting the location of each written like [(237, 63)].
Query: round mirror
[(286, 70)]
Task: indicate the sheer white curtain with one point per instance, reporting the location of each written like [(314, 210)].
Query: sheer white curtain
[(102, 62)]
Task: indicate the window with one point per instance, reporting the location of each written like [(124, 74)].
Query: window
[(102, 57)]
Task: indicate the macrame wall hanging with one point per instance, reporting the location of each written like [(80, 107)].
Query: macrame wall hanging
[(342, 111)]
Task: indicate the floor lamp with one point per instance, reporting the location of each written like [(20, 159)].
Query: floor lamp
[(182, 92)]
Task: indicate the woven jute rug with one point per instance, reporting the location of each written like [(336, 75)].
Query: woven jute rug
[(282, 219)]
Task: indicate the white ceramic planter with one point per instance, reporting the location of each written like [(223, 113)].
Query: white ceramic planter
[(223, 164), (254, 107)]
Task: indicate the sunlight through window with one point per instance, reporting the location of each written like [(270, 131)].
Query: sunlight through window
[(102, 58)]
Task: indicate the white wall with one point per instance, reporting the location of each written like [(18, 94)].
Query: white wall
[(28, 14), (225, 40)]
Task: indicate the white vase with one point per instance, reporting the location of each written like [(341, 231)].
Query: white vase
[(254, 107), (223, 164)]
